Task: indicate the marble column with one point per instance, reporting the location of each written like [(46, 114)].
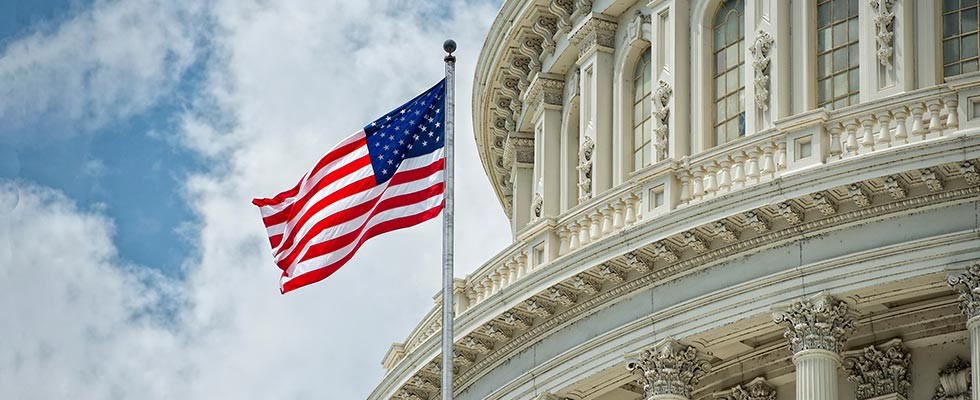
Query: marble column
[(670, 370), (816, 330), (968, 286)]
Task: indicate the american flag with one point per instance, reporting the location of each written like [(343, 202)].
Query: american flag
[(385, 177)]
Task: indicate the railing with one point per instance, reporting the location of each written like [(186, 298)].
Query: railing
[(851, 132)]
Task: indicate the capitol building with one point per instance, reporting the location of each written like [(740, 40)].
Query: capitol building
[(721, 199)]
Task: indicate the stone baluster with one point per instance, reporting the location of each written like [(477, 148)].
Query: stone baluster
[(630, 201), (851, 144), (724, 174), (471, 296), (515, 271), (670, 370), (935, 124), (918, 128), (710, 178), (768, 166), (952, 115), (607, 219), (595, 219), (495, 286), (685, 187), (573, 236), (901, 133), (563, 240), (884, 132), (968, 286), (504, 272), (738, 170), (868, 137), (816, 330), (522, 266), (618, 209), (781, 155), (753, 168), (835, 143), (585, 236), (479, 293), (698, 183)]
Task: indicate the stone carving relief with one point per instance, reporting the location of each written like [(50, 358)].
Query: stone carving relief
[(563, 10), (585, 168), (880, 371), (821, 322), (760, 49), (639, 28), (968, 286), (757, 389), (537, 205), (595, 32), (954, 381), (661, 111), (670, 368), (884, 18), (546, 26), (518, 150)]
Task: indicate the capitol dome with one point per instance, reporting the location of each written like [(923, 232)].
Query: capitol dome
[(722, 199)]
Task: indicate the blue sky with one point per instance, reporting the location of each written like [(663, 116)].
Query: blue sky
[(133, 135)]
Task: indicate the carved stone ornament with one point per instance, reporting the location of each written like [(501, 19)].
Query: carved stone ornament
[(757, 389), (670, 368), (818, 323), (824, 203), (516, 320), (661, 110), (611, 273), (695, 242), (518, 150), (884, 18), (757, 221), (859, 195), (635, 263), (586, 284), (954, 381), (664, 252), (969, 171), (932, 179), (594, 33), (537, 206), (562, 296), (725, 232), (563, 9), (546, 26), (585, 168), (880, 371), (760, 50), (545, 91), (968, 285), (539, 308), (789, 211), (895, 187), (639, 27)]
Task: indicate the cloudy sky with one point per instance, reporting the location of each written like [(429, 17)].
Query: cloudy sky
[(133, 135)]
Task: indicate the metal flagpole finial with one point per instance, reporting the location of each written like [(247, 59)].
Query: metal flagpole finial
[(449, 46)]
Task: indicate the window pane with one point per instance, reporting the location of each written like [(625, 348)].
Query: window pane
[(854, 99), (825, 64), (719, 135), (720, 62), (840, 85), (853, 8), (855, 83), (719, 38), (732, 106), (949, 5), (952, 70), (969, 43), (969, 20), (854, 56), (720, 111), (969, 66), (951, 25), (647, 131), (840, 10), (731, 56), (731, 130), (719, 87), (823, 40), (646, 102), (823, 15), (840, 34), (967, 3), (951, 50), (731, 26), (853, 29), (824, 89), (840, 103), (741, 75), (840, 59), (732, 78)]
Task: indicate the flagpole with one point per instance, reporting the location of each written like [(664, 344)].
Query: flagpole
[(447, 227)]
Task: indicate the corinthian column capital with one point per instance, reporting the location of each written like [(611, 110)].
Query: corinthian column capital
[(818, 323), (670, 369), (968, 286)]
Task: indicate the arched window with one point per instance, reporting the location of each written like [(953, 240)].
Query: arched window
[(837, 53), (729, 71), (960, 37), (642, 121)]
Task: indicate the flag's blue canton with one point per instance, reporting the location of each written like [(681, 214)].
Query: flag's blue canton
[(414, 129)]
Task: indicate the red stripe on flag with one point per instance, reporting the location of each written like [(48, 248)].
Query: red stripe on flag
[(332, 156), (339, 173)]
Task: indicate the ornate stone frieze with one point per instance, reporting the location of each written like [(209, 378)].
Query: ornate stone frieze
[(594, 33), (670, 368), (409, 393), (516, 320), (757, 389), (695, 242), (584, 168), (532, 47), (954, 381), (969, 171), (562, 296), (478, 345), (818, 323), (757, 221), (426, 383), (639, 27), (725, 232), (520, 67), (545, 26), (635, 263), (545, 91), (760, 50), (539, 308), (661, 111), (664, 252), (463, 359), (859, 195), (932, 179), (824, 203), (586, 284), (895, 187), (611, 273), (790, 212), (563, 10), (497, 333), (968, 286), (884, 18), (880, 371), (518, 150)]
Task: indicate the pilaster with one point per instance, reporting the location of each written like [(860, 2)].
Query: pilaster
[(519, 159), (545, 101), (595, 39), (671, 63), (968, 286)]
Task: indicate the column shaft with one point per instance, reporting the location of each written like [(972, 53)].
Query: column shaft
[(816, 375), (973, 325)]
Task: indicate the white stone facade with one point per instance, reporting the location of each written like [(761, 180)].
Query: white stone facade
[(782, 201)]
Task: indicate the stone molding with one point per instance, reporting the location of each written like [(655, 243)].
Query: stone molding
[(819, 323), (670, 368), (880, 370), (967, 285)]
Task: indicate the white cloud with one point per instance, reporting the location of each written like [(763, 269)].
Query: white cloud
[(110, 61), (286, 80)]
